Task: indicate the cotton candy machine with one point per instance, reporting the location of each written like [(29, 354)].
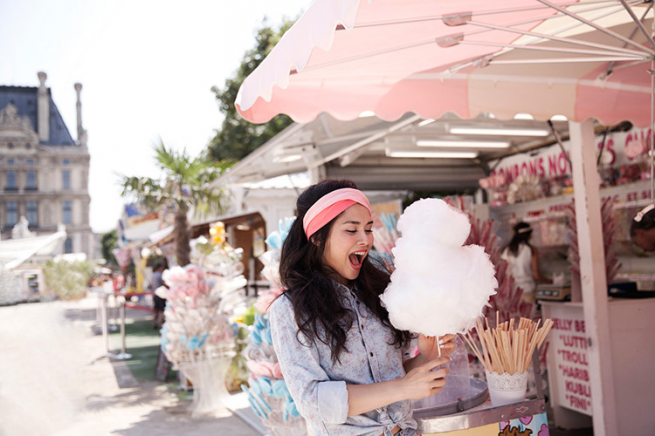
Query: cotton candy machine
[(463, 406), (462, 392)]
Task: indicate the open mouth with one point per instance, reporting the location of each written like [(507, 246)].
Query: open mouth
[(357, 258)]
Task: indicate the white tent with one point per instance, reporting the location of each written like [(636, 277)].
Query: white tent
[(13, 252)]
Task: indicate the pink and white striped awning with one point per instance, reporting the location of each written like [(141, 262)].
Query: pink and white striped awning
[(580, 59)]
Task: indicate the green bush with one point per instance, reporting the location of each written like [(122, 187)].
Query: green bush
[(68, 280)]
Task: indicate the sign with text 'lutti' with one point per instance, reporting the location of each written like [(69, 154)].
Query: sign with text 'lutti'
[(569, 342)]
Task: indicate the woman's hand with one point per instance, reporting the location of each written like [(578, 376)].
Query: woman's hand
[(428, 346), (424, 380)]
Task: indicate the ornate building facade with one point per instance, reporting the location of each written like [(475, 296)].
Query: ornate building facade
[(44, 172)]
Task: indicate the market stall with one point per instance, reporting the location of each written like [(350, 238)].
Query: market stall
[(580, 59), (538, 188)]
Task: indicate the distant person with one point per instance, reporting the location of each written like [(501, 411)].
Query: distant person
[(642, 228), (160, 303), (523, 260)]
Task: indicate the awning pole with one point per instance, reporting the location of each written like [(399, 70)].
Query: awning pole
[(592, 277)]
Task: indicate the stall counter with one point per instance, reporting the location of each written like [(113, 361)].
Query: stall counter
[(486, 420), (632, 327)]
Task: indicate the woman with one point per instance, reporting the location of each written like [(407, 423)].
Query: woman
[(348, 369), (642, 228), (157, 281), (523, 260)]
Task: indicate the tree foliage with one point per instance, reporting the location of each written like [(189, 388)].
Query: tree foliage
[(68, 280), (109, 242), (237, 137), (184, 186)]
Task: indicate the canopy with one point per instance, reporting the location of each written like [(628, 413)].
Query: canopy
[(579, 59), (13, 252)]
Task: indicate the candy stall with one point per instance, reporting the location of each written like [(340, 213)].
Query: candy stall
[(538, 188)]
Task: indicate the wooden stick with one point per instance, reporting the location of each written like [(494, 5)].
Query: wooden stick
[(546, 329), (469, 341), (508, 351), (503, 350), (533, 345), (526, 357), (523, 352), (497, 361), (484, 358), (481, 336)]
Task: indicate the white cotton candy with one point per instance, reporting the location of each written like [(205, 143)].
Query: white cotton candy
[(438, 286)]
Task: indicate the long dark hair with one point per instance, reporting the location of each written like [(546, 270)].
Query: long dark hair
[(522, 234), (307, 281), (644, 220)]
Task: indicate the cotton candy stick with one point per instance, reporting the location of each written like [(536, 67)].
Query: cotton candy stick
[(484, 348)]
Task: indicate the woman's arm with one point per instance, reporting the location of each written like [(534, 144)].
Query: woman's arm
[(318, 399), (420, 382)]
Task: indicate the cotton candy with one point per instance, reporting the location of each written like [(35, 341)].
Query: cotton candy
[(438, 286)]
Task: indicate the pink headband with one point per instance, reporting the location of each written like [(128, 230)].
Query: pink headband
[(330, 206)]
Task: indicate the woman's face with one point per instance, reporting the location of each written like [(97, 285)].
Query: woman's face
[(349, 242), (645, 239)]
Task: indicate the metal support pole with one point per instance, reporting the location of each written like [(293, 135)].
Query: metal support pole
[(103, 320), (123, 328), (123, 355), (115, 314)]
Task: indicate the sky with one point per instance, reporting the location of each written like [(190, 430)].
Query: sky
[(146, 66)]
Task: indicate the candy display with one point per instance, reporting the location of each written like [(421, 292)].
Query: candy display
[(438, 286), (197, 336), (524, 188), (506, 349), (267, 391), (507, 300), (506, 353), (610, 230), (384, 228)]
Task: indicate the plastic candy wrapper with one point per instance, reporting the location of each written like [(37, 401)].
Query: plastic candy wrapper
[(438, 286)]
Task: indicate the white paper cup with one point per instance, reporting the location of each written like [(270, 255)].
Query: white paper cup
[(505, 388)]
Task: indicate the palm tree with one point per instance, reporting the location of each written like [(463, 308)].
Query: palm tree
[(183, 187)]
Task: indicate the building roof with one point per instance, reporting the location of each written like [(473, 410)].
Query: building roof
[(24, 98)]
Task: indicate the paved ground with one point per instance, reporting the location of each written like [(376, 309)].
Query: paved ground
[(52, 382)]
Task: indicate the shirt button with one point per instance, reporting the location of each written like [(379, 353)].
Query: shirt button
[(362, 326), (371, 354)]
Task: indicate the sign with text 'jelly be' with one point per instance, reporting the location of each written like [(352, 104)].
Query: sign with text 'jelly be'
[(569, 342)]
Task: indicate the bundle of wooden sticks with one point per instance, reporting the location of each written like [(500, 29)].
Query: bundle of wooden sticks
[(506, 348)]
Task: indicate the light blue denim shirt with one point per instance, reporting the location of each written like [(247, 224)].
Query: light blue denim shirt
[(318, 386)]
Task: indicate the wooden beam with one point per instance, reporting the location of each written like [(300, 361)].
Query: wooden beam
[(592, 276)]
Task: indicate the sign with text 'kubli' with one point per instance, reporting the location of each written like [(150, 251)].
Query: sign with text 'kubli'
[(569, 342)]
